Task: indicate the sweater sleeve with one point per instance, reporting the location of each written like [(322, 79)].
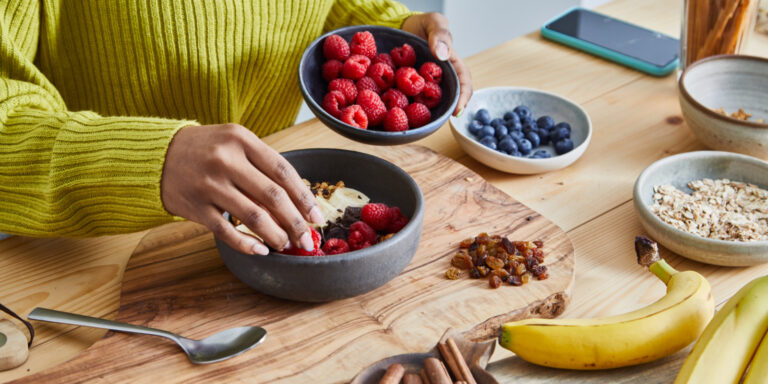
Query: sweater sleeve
[(70, 173), (359, 12)]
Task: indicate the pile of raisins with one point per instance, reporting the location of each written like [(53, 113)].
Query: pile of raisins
[(499, 259)]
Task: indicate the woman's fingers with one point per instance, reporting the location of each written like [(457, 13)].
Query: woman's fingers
[(256, 218), (438, 35), (465, 83), (224, 230)]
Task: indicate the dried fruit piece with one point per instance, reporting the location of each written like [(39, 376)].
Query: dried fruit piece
[(462, 261), (452, 273), (494, 281), (494, 262)]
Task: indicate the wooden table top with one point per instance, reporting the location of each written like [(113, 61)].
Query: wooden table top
[(636, 121)]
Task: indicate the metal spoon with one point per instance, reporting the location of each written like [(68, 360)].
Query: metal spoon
[(214, 348)]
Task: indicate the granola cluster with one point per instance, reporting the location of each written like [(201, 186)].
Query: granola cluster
[(717, 209)]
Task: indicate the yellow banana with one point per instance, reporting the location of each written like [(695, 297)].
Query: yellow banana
[(647, 334), (725, 348), (758, 368)]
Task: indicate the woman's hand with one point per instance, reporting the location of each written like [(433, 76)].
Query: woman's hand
[(215, 168), (433, 27)]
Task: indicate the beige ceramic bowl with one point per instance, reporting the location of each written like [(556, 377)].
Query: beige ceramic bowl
[(729, 82)]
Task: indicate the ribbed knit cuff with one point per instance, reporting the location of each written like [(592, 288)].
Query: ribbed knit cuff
[(357, 12)]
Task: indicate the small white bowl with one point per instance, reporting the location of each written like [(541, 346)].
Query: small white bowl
[(678, 171), (498, 100)]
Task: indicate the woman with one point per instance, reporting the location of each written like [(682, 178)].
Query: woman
[(120, 116)]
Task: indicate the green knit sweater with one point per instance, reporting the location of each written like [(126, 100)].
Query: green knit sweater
[(92, 92)]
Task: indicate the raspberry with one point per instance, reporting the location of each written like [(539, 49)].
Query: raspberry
[(366, 230), (430, 96), (346, 87), (393, 98), (316, 239), (384, 58), (335, 246), (355, 67), (396, 120), (382, 74), (404, 56), (368, 83), (431, 72), (356, 240), (335, 48), (377, 215), (355, 116), (332, 69), (398, 220), (333, 102), (372, 105), (363, 44), (418, 114), (408, 81)]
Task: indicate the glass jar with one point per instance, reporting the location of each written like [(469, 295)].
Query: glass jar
[(715, 27)]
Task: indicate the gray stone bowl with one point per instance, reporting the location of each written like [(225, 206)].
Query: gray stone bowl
[(326, 278), (314, 87), (680, 169), (729, 82)]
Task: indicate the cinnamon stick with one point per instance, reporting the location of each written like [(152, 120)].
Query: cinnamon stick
[(393, 374), (436, 371), (466, 375), (450, 360), (412, 378), (423, 375)]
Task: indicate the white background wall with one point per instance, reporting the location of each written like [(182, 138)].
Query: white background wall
[(477, 25)]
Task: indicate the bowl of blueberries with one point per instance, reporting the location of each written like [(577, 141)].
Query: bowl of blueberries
[(522, 130)]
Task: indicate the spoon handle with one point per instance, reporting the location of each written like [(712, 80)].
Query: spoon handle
[(50, 315)]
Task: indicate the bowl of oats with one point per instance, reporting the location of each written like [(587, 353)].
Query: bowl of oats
[(708, 206), (724, 100)]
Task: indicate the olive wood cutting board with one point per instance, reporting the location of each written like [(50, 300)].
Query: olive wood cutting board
[(176, 281)]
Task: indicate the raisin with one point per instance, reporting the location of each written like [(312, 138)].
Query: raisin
[(531, 262), (500, 273), (492, 251), (508, 246), (538, 243), (452, 273), (482, 238), (539, 269), (527, 253), (466, 243), (474, 273), (494, 262), (543, 276), (539, 254), (515, 280), (462, 261), (473, 247), (519, 245), (525, 277), (481, 250), (483, 271), (480, 260), (494, 281)]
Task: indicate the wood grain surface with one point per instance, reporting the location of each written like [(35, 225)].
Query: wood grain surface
[(176, 281)]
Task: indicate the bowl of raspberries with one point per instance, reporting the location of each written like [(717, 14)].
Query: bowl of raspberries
[(373, 214), (377, 85)]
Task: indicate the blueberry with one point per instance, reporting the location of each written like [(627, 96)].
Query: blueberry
[(534, 138), (515, 126), (529, 128), (563, 125), (522, 111), (516, 154), (516, 135), (524, 146), (497, 123), (501, 131), (563, 146), (486, 130), (508, 145), (558, 134), (528, 120), (511, 118), (483, 116), (541, 154), (475, 127), (544, 136), (489, 142), (545, 122)]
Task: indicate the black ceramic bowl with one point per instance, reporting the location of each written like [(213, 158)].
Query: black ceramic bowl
[(326, 278), (314, 87)]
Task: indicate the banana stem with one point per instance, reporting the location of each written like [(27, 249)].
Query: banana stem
[(662, 270), (648, 256)]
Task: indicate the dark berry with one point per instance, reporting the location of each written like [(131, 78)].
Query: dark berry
[(527, 121), (486, 130), (558, 134), (533, 137), (545, 122), (563, 146), (489, 142), (544, 136), (497, 123), (475, 127), (516, 154), (515, 126), (511, 117), (483, 116), (522, 111), (508, 145), (501, 131), (541, 154), (516, 135), (563, 125), (524, 146)]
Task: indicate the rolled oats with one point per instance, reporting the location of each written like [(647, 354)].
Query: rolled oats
[(717, 209)]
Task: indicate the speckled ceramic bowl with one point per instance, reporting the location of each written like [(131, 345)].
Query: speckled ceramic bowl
[(314, 87), (326, 278), (497, 101), (729, 82), (680, 169)]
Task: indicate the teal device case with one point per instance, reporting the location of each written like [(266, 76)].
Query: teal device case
[(606, 53)]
